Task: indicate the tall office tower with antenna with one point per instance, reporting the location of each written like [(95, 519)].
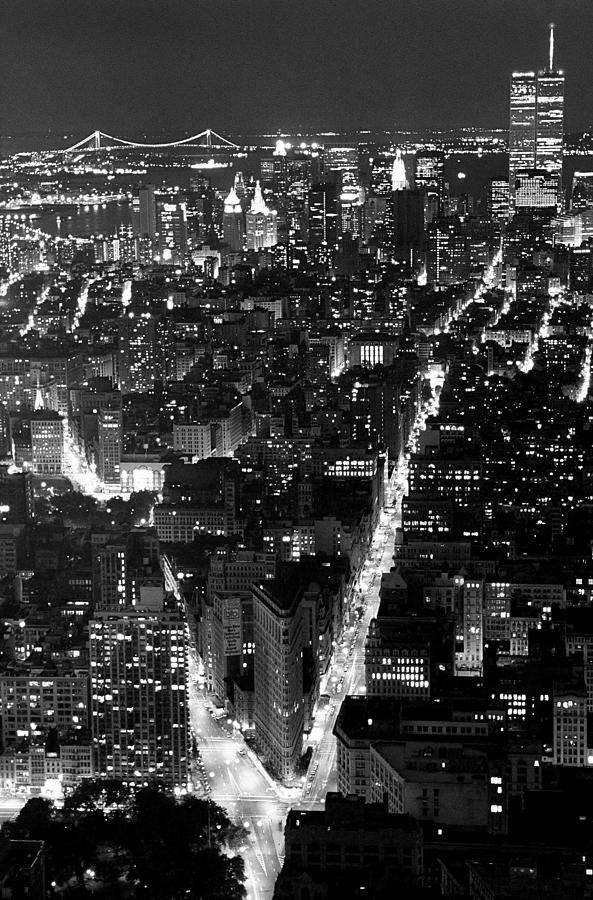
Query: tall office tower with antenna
[(522, 126), (536, 123), (550, 118)]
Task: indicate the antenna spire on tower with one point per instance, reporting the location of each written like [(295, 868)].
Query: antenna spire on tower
[(551, 46)]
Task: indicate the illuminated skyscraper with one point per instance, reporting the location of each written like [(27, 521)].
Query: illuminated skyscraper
[(430, 177), (405, 213), (536, 127), (351, 206), (299, 176), (323, 215), (447, 253), (381, 170), (469, 661), (139, 661), (5, 245), (341, 159), (498, 199), (126, 243), (521, 126), (274, 172), (261, 223), (399, 179), (550, 117), (142, 339), (232, 222), (173, 231), (430, 172)]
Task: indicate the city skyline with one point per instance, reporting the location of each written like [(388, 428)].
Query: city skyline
[(296, 470), (175, 64)]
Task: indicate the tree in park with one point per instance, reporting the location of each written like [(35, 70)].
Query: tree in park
[(146, 844)]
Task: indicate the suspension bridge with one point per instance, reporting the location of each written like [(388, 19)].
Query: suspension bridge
[(99, 140)]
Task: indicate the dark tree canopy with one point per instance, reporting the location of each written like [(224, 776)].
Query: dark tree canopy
[(144, 844)]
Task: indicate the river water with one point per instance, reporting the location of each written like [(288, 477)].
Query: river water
[(83, 221)]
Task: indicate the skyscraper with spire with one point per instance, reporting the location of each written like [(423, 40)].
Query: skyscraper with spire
[(536, 124), (404, 221), (232, 222), (550, 116)]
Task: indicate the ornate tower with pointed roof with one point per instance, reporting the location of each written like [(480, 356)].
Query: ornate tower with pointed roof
[(405, 213), (399, 180), (239, 186), (261, 223), (39, 404), (232, 222)]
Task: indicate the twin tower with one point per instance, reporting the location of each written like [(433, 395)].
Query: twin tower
[(536, 127), (254, 228)]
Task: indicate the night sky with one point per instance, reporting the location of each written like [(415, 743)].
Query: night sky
[(126, 66)]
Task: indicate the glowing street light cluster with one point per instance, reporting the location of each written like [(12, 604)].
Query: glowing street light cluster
[(583, 390), (13, 278), (526, 365), (78, 469), (44, 294), (82, 302)]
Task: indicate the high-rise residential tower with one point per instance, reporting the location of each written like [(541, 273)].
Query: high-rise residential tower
[(140, 353), (139, 661), (138, 647)]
